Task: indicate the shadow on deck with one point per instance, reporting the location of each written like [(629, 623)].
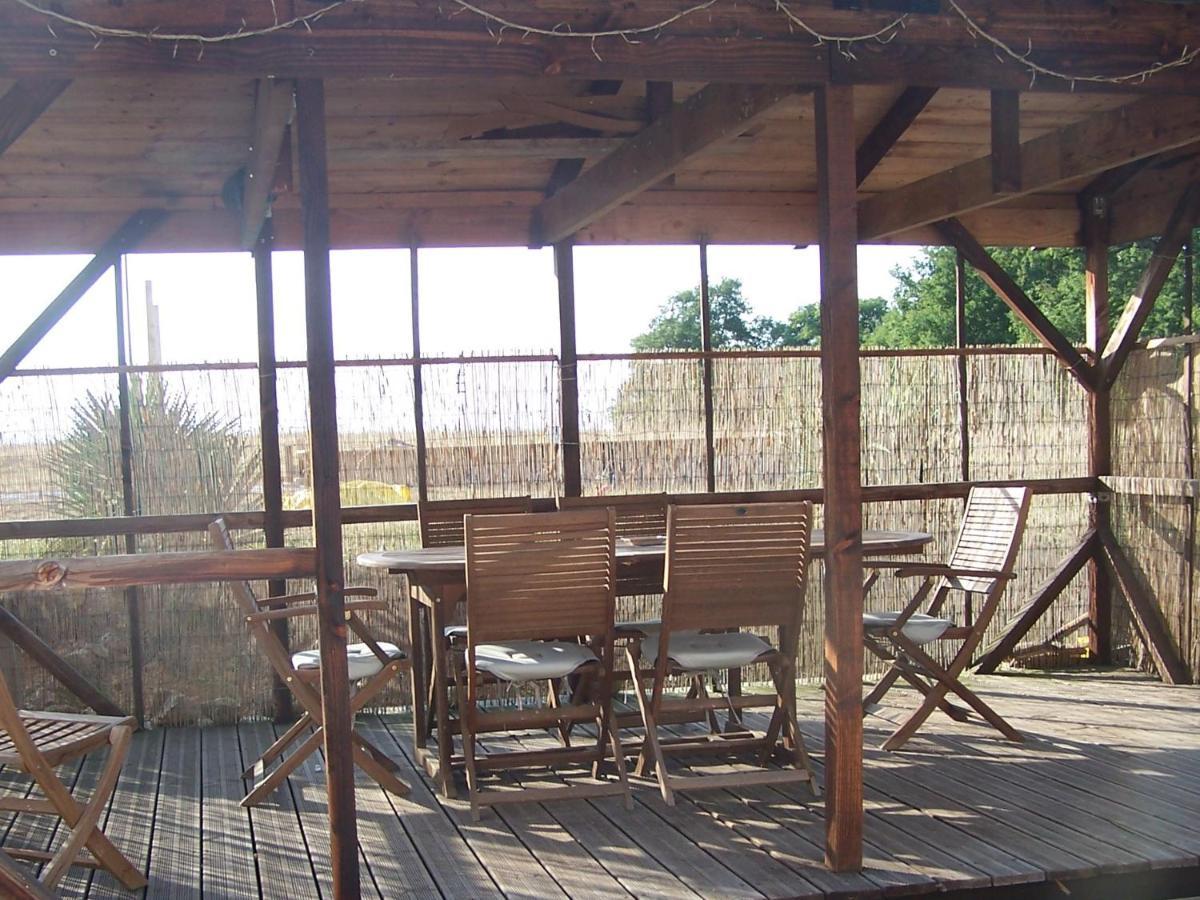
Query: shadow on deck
[(1107, 784)]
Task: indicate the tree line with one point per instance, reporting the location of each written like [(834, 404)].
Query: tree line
[(921, 311)]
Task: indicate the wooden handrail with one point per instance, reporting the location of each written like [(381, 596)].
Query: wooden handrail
[(41, 529)]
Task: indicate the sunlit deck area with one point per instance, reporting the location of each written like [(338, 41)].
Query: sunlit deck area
[(1106, 784)]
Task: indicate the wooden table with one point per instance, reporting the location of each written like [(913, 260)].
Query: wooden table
[(439, 576)]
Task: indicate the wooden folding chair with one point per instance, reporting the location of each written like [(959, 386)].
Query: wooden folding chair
[(373, 665), (981, 563), (728, 567), (539, 585), (37, 742), (638, 518)]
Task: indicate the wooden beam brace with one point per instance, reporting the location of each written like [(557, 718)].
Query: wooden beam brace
[(1139, 306), (23, 104), (567, 170), (1017, 300), (273, 108), (716, 113), (1146, 615), (124, 239), (998, 650), (1100, 142), (1006, 142), (888, 130)]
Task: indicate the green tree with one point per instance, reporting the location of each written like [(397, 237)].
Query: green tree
[(803, 327), (676, 325)]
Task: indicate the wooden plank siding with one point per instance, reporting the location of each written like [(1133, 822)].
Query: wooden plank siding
[(1107, 785)]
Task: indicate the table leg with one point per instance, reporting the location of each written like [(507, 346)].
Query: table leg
[(416, 643), (445, 739)]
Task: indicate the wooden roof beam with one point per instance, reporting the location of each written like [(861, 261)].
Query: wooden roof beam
[(1086, 148), (23, 104), (884, 136), (567, 170), (124, 239), (1137, 310), (716, 113), (1017, 300), (273, 109)]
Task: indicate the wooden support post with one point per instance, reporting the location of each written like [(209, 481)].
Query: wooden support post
[(133, 598), (1189, 327), (706, 345), (272, 468), (960, 341), (1095, 216), (414, 282), (1006, 142), (568, 370), (840, 385), (125, 238), (326, 490)]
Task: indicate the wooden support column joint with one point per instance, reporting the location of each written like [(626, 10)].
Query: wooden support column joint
[(568, 371), (840, 384)]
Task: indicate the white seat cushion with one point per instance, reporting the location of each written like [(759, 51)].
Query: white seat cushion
[(920, 628), (532, 660), (455, 632), (639, 629), (696, 652), (363, 663)]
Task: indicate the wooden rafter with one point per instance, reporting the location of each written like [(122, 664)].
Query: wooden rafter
[(1086, 148), (713, 114), (124, 239), (566, 169), (1006, 141), (273, 106), (23, 104), (889, 129), (1017, 300), (1138, 309)]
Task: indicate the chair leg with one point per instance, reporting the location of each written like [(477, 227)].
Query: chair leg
[(651, 749), (564, 730), (383, 776), (614, 737), (882, 686), (276, 749), (82, 822), (280, 774)]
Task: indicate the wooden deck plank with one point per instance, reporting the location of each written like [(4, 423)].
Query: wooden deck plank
[(227, 848), (86, 773), (284, 866), (454, 867), (175, 863), (130, 820)]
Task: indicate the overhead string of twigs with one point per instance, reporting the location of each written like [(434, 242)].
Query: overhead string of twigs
[(498, 25)]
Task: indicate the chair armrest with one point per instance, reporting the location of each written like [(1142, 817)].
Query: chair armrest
[(931, 569), (360, 592), (289, 612), (285, 600)]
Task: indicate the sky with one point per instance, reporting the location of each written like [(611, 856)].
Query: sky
[(472, 300)]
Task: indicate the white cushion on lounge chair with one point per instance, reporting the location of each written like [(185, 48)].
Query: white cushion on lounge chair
[(532, 660), (920, 628), (639, 629), (362, 662), (696, 652)]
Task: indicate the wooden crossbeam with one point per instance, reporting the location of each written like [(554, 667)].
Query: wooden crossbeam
[(1010, 635), (1006, 142), (1086, 148), (1017, 300), (1137, 310), (568, 169), (716, 113), (24, 103), (124, 239), (888, 130), (1146, 614), (273, 107)]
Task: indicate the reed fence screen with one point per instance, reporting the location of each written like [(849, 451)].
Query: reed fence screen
[(491, 428)]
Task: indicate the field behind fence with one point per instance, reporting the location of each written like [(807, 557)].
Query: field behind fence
[(492, 430)]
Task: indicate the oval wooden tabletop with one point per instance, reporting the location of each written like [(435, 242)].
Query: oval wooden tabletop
[(450, 559)]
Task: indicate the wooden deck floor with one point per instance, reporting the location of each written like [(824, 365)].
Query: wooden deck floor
[(1108, 782)]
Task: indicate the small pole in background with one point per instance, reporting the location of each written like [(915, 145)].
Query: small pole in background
[(706, 345), (418, 388)]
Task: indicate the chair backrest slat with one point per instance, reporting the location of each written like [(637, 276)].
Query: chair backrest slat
[(540, 575), (441, 521), (637, 516), (736, 565), (990, 534)]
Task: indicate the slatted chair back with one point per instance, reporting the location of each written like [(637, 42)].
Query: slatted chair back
[(540, 575), (736, 565), (441, 521), (637, 518), (989, 537)]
